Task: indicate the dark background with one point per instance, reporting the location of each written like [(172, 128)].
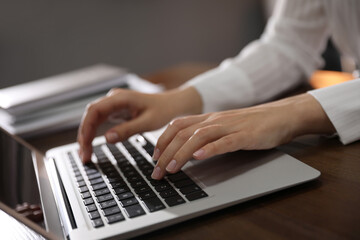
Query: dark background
[(40, 38)]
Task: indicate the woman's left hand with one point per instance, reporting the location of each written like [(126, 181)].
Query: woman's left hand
[(261, 127)]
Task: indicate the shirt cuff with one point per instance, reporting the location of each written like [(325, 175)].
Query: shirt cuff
[(341, 103)]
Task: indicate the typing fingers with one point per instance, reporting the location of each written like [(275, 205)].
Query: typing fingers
[(95, 114), (200, 137), (173, 129)]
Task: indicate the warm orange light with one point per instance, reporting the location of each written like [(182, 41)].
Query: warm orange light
[(322, 79)]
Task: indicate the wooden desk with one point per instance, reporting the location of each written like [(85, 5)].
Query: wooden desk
[(328, 208)]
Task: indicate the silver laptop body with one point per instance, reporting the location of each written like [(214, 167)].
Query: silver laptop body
[(88, 202)]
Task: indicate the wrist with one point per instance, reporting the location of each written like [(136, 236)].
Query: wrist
[(308, 116), (185, 101)]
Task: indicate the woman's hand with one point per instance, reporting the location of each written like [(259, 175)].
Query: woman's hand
[(261, 127), (143, 112)]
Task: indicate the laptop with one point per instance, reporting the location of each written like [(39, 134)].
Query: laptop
[(114, 195)]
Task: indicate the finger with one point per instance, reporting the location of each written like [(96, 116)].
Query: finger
[(83, 135), (200, 138), (113, 91), (172, 129), (125, 130), (179, 139), (95, 114), (228, 143)]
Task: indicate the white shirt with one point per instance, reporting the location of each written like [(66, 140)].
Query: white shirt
[(287, 53)]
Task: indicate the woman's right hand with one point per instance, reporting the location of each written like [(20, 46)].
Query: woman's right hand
[(145, 112)]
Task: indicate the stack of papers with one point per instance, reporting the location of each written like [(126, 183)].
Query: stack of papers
[(58, 102)]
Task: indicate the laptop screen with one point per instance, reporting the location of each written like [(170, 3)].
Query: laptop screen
[(18, 185)]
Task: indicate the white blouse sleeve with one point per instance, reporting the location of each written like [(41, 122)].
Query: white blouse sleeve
[(341, 103), (288, 51)]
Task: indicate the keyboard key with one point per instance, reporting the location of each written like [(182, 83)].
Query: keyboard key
[(91, 207), (108, 204), (163, 187), (103, 159), (144, 164), (189, 189), (115, 218), (120, 158), (77, 173), (177, 176), (89, 165), (196, 195), (154, 204), (127, 167), (124, 164), (97, 223), (101, 192), (115, 175), (147, 173), (184, 183), (81, 184), (118, 184), (174, 200), (105, 165), (79, 178), (108, 170), (94, 214), (157, 182), (125, 195), (104, 198), (95, 175), (96, 181), (146, 195), (128, 202), (117, 179), (130, 173), (139, 158), (70, 156), (91, 171), (134, 178), (139, 183), (99, 186), (85, 195), (88, 201), (149, 148), (142, 189), (111, 211), (134, 211), (168, 193), (122, 189), (83, 189)]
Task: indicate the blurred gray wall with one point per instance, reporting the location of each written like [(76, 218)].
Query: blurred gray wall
[(39, 38)]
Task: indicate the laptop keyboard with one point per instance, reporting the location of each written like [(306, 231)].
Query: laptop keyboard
[(110, 192)]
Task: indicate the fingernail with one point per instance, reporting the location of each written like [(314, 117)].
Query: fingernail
[(112, 136), (171, 166), (199, 153), (156, 173), (156, 154)]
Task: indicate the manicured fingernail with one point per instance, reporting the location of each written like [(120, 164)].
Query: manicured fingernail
[(156, 173), (199, 153), (171, 166), (156, 154), (112, 136)]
